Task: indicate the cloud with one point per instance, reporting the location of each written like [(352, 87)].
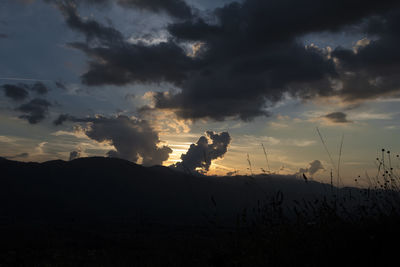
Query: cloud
[(3, 36), (74, 155), (165, 121), (201, 154), (132, 139), (35, 110), (7, 139), (175, 8), (40, 148), (116, 61), (90, 28), (15, 92), (372, 116), (337, 117), (250, 57), (313, 168), (19, 92), (61, 85), (62, 118), (77, 132), (18, 156), (371, 69), (39, 88)]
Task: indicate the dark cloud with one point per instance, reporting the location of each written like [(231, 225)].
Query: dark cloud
[(35, 111), (62, 118), (249, 57), (39, 88), (252, 56), (135, 63), (114, 61), (133, 139), (337, 117), (313, 168), (15, 92), (3, 36), (19, 92), (66, 117), (90, 28), (372, 70), (74, 155), (175, 8), (201, 154), (61, 85)]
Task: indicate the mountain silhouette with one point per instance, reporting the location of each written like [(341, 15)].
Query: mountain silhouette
[(106, 189), (112, 212)]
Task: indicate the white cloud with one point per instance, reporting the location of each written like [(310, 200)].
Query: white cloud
[(77, 134), (371, 116)]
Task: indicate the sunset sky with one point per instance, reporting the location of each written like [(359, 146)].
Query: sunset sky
[(144, 79)]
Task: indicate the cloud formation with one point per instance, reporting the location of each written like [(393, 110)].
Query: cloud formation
[(337, 117), (313, 168), (133, 139), (19, 92), (175, 8), (15, 92), (372, 69), (200, 155), (248, 56), (35, 110)]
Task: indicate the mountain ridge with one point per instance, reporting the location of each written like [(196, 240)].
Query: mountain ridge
[(100, 188)]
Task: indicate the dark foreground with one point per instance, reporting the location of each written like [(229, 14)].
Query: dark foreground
[(336, 244), (101, 212)]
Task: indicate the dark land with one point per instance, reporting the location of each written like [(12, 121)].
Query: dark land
[(111, 212)]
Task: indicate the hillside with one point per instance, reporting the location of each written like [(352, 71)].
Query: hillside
[(114, 189), (111, 212)]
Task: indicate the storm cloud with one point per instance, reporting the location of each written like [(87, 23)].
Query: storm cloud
[(15, 92), (133, 139), (200, 155), (35, 110), (19, 92), (175, 8), (372, 68), (248, 56)]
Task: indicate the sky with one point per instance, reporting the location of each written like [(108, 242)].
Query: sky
[(203, 85)]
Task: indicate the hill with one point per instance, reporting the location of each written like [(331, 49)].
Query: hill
[(111, 212), (110, 189)]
